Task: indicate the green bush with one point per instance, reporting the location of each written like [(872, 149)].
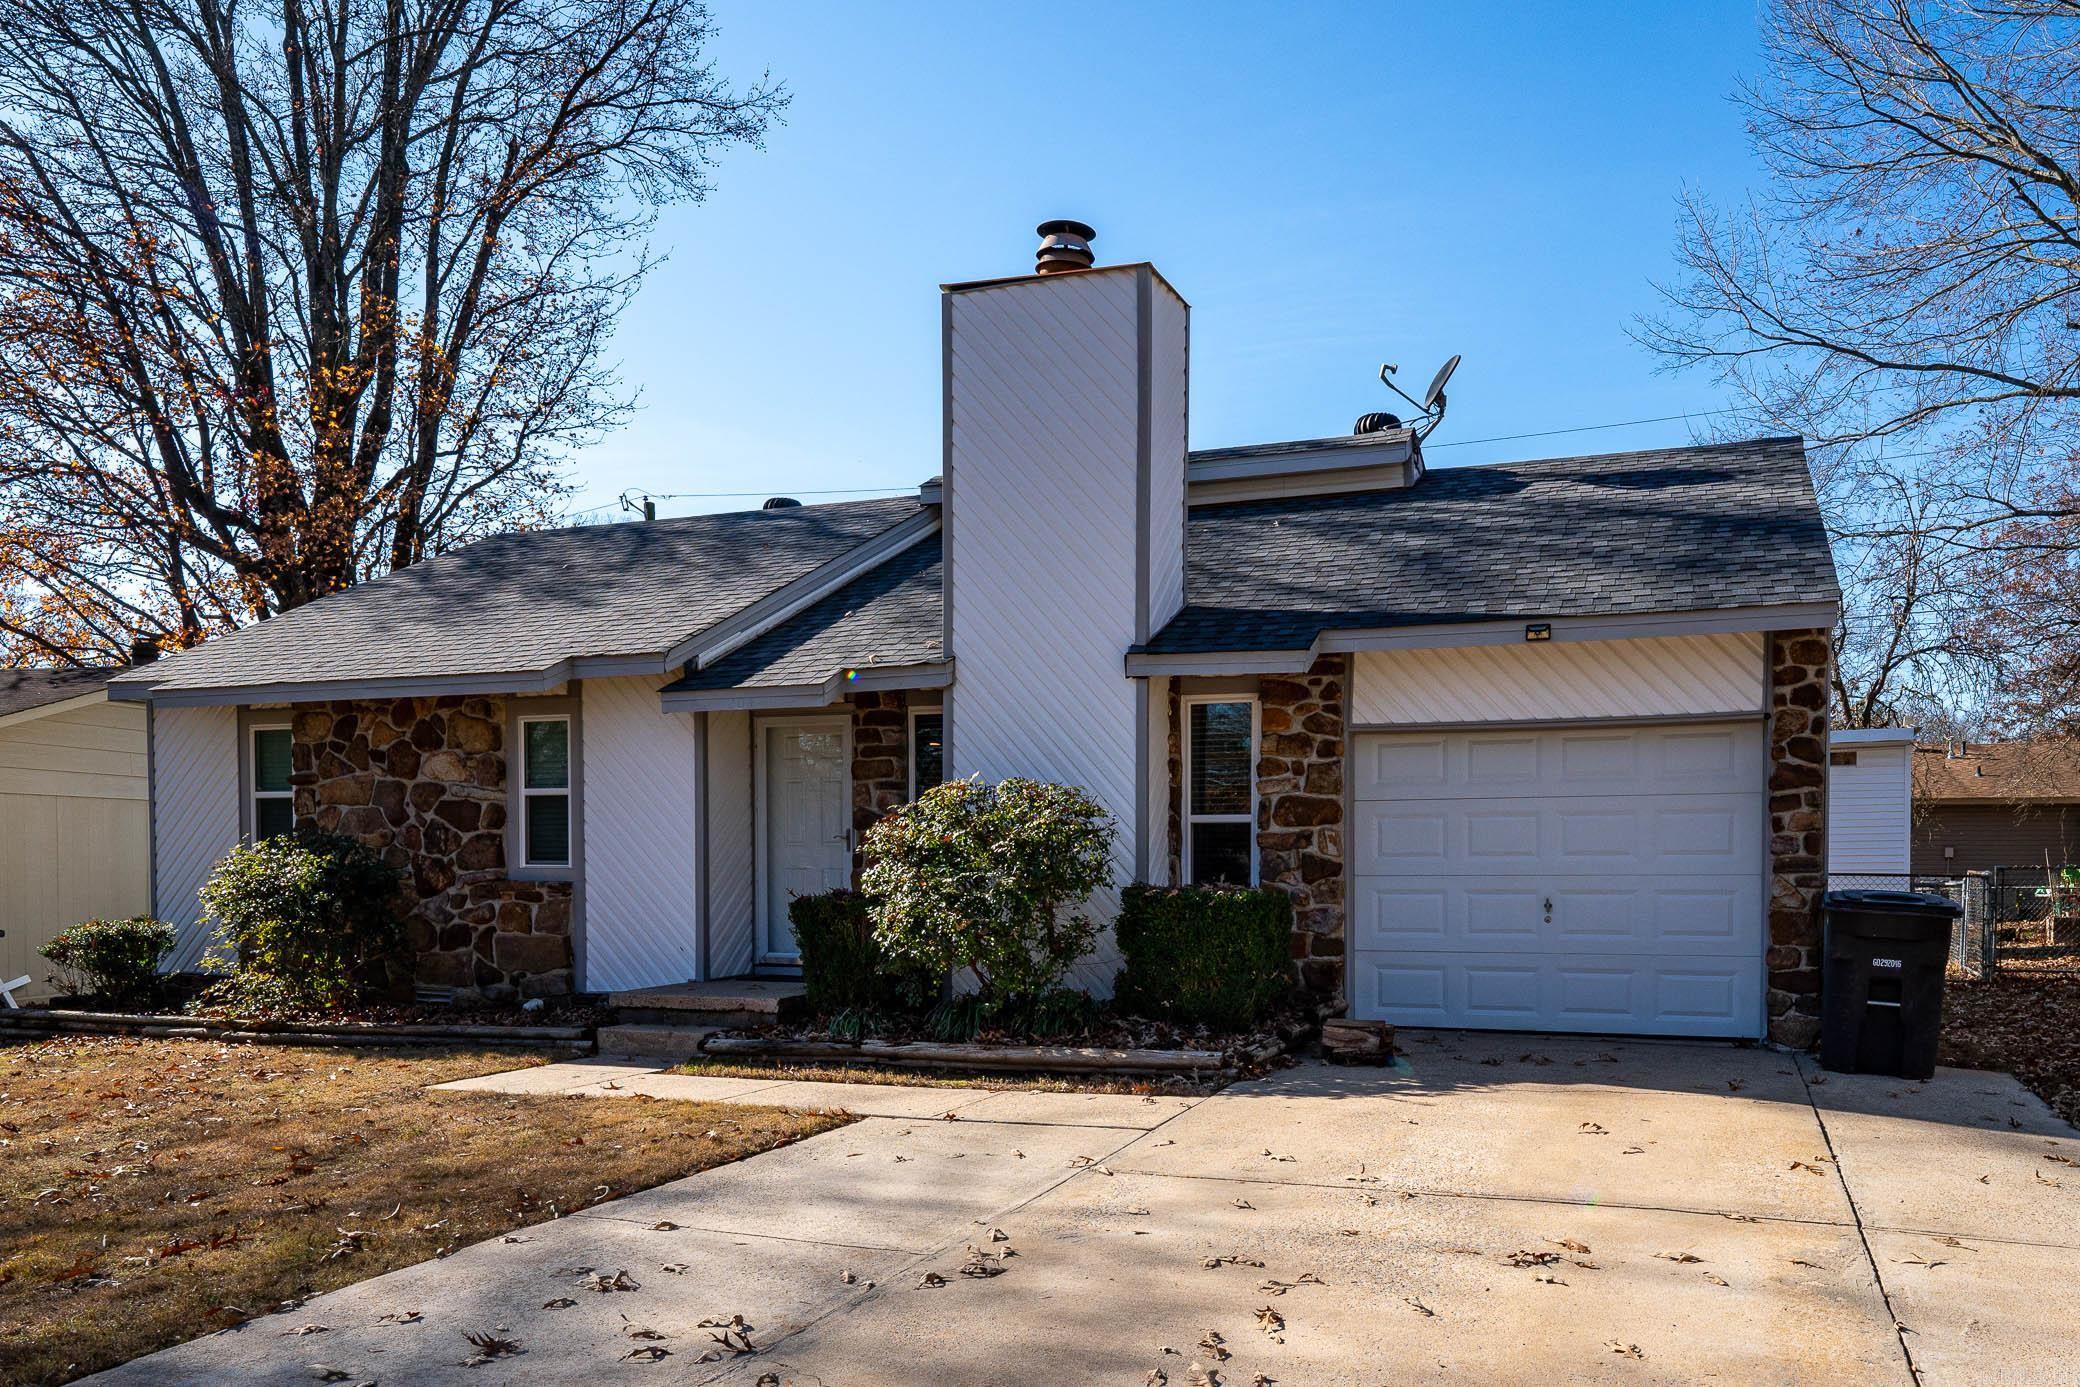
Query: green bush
[(1213, 956), (985, 878), (310, 921), (843, 967), (117, 960)]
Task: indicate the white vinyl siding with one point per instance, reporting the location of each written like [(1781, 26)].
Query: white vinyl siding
[(1659, 676), (641, 792), (1869, 810), (75, 841), (1601, 879), (195, 815), (1169, 373), (1042, 495)]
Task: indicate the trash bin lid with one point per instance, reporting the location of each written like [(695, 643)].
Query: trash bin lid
[(1918, 903)]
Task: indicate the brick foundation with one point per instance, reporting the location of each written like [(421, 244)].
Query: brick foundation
[(1798, 676), (1300, 811), (423, 782)]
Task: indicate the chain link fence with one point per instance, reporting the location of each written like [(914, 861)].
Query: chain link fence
[(2036, 919)]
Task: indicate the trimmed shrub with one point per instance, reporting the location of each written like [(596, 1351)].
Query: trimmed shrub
[(843, 967), (985, 878), (304, 922), (116, 960), (1220, 957)]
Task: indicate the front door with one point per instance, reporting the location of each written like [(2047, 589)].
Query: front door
[(805, 830)]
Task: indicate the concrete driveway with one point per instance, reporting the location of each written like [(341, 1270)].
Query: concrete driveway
[(1499, 1209)]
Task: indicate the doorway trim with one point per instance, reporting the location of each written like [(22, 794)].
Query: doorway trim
[(761, 895)]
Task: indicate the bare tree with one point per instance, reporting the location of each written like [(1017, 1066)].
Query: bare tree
[(1907, 294), (297, 292)]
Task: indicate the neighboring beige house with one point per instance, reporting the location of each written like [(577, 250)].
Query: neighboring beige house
[(1981, 805), (75, 820)]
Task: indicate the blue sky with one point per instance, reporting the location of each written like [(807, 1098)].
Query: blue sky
[(1331, 186)]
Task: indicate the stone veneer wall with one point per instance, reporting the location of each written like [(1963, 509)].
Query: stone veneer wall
[(1798, 683), (423, 782), (1300, 778), (880, 762)]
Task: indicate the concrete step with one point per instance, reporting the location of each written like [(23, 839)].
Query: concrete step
[(724, 1002), (663, 1042)]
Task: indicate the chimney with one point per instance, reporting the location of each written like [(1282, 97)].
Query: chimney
[(1063, 502), (1064, 246)]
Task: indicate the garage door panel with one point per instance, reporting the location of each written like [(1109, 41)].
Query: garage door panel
[(1595, 879), (1561, 835), (1616, 994), (1665, 915), (1627, 760)]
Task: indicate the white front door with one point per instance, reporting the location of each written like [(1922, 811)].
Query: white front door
[(1568, 879), (805, 830)]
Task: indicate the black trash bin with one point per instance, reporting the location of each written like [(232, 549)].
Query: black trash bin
[(1881, 998)]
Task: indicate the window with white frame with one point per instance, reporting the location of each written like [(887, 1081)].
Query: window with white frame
[(545, 791), (1220, 793), (927, 749), (273, 803)]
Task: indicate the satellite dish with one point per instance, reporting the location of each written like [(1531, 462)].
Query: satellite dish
[(1433, 401), (1434, 396)]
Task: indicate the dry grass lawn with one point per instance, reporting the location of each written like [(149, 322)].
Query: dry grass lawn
[(154, 1190)]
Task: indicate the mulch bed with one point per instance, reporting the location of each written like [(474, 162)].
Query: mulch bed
[(1108, 1033), (2025, 1023)]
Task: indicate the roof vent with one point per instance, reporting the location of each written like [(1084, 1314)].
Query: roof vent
[(779, 503), (1376, 423), (1064, 246)]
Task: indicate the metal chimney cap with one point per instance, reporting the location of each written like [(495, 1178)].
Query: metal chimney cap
[(1064, 245)]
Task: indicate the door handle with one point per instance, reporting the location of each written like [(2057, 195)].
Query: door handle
[(1549, 909)]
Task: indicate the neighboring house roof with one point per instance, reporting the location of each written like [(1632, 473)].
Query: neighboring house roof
[(24, 689), (889, 616), (2045, 771), (1711, 526), (527, 601)]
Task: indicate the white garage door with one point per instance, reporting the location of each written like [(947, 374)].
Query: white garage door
[(1576, 879)]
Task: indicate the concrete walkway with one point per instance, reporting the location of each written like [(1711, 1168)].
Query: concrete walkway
[(1498, 1209)]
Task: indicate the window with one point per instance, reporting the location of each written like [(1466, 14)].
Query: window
[(927, 750), (274, 803), (1220, 800), (545, 791)]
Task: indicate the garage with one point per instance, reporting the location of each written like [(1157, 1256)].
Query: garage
[(1573, 878)]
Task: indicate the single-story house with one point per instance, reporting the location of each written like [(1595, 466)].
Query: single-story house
[(1981, 805), (75, 835), (1539, 745), (1870, 806)]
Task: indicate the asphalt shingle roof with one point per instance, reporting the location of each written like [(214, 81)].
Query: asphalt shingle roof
[(23, 689), (1672, 529), (525, 601), (890, 615)]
